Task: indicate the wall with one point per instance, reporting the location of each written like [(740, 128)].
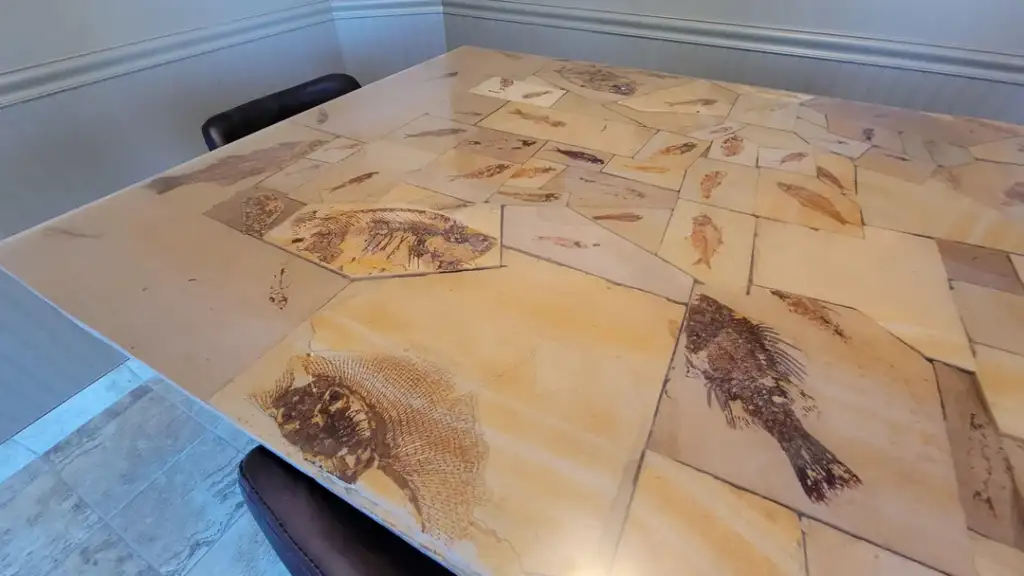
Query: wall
[(960, 58), (378, 38)]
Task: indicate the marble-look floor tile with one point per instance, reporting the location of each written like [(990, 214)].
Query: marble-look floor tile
[(711, 244), (112, 457), (13, 457), (817, 407), (236, 436), (807, 201), (587, 189), (565, 237), (995, 559), (432, 134), (180, 515), (242, 551), (682, 521), (984, 476), (141, 369), (721, 184), (734, 148), (832, 553), (104, 553), (335, 151), (1001, 375), (896, 279), (471, 177), (1010, 151), (992, 317), (46, 432), (519, 91), (547, 124), (41, 521), (980, 266), (575, 156), (186, 402), (644, 227)]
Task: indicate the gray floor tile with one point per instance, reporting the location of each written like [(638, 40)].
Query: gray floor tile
[(110, 459), (13, 457), (46, 432), (175, 520), (104, 553), (243, 551), (235, 436), (41, 520), (197, 409)]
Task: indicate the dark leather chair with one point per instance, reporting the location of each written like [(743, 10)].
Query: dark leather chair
[(256, 115), (315, 533)]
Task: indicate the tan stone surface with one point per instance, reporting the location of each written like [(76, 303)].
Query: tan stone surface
[(336, 150), (364, 176), (734, 148), (577, 104), (646, 171), (576, 156), (672, 150), (995, 559), (589, 189), (807, 201), (992, 317), (682, 521), (765, 110), (644, 227), (1010, 151), (514, 148), (832, 553), (709, 243), (1000, 375), (546, 124), (465, 175), (432, 134), (873, 133), (543, 95), (980, 266), (721, 184), (534, 173), (698, 97)]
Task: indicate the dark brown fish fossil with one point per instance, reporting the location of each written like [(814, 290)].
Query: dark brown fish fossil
[(352, 413), (869, 134), (538, 118), (620, 217), (752, 375), (536, 94), (483, 173), (539, 197), (599, 79), (678, 149), (436, 133), (694, 102), (580, 156), (354, 180), (813, 201)]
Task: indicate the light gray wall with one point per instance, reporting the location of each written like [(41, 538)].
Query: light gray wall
[(372, 48)]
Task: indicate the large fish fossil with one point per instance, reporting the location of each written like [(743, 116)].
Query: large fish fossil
[(350, 413), (428, 240), (754, 378), (599, 79)]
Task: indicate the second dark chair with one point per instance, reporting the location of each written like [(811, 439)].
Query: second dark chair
[(258, 114)]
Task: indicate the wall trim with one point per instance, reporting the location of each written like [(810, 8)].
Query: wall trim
[(966, 63), (349, 9)]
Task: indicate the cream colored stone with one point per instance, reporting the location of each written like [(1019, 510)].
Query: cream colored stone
[(717, 131), (942, 153), (513, 148), (836, 167), (588, 189), (697, 97), (683, 521), (1018, 265), (711, 244), (650, 172), (807, 201), (644, 227), (787, 160), (409, 195), (832, 553), (463, 107), (513, 196), (1010, 151), (812, 116), (873, 134), (721, 184), (773, 138), (519, 91), (574, 156), (602, 83), (821, 137), (432, 134), (765, 110), (672, 150), (579, 105), (670, 121), (734, 148), (335, 151), (534, 173), (992, 317), (995, 559), (615, 137), (1001, 375), (294, 176), (365, 176), (896, 279), (896, 165), (464, 175)]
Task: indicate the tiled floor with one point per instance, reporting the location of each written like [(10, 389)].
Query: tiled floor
[(128, 477)]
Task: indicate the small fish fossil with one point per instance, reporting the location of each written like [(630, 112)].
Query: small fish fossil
[(278, 295), (826, 175), (896, 157), (439, 132), (710, 181), (813, 310), (581, 156), (722, 130), (322, 116), (705, 238), (449, 74), (869, 134), (792, 157), (620, 217), (694, 102), (531, 196), (258, 212), (564, 242), (354, 180), (537, 94), (678, 149), (485, 172), (532, 172), (506, 83), (524, 143), (733, 146), (538, 118), (647, 168), (813, 201)]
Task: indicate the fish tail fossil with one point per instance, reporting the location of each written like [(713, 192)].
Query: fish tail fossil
[(821, 474)]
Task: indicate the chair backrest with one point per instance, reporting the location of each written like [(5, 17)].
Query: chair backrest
[(256, 115)]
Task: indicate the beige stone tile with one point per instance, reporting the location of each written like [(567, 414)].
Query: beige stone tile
[(995, 559), (821, 137), (534, 79), (765, 110), (937, 209), (818, 408), (513, 196), (711, 244), (837, 171), (787, 160), (501, 145), (942, 153), (980, 266), (603, 83), (992, 317), (463, 107), (346, 238), (832, 553), (1000, 375), (721, 184), (874, 134), (563, 236), (807, 201), (336, 150), (734, 148), (475, 60), (1018, 264), (364, 176), (785, 95), (1010, 151), (670, 121), (254, 211), (773, 138), (682, 521), (899, 166), (516, 452), (672, 150), (813, 116), (464, 175), (720, 130), (587, 189), (432, 134), (896, 279), (546, 124), (574, 156), (644, 227), (649, 172), (1014, 449), (409, 195), (697, 97), (519, 91), (579, 105), (534, 173), (999, 186), (294, 176)]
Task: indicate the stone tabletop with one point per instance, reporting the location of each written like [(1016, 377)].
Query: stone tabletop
[(551, 317)]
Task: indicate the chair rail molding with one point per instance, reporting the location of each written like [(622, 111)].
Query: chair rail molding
[(952, 61), (349, 9)]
